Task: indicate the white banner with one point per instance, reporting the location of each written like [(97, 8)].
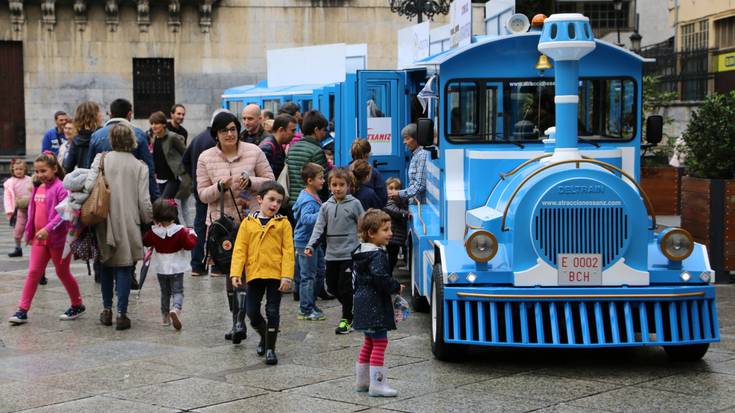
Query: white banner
[(460, 21), (282, 64), (380, 136), (413, 44)]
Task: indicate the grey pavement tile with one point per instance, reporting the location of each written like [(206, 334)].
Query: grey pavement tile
[(41, 341), (107, 379), (448, 374), (16, 396), (458, 400), (100, 404), (188, 394), (641, 399), (344, 360), (344, 390), (536, 386), (282, 402), (34, 365), (198, 362), (283, 376), (718, 388), (567, 408)]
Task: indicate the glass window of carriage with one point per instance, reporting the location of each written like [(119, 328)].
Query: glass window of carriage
[(607, 109), (462, 112), (528, 109)]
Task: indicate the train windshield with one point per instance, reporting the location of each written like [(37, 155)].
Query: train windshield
[(521, 110)]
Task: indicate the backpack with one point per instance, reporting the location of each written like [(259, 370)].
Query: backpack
[(221, 236), (97, 206)]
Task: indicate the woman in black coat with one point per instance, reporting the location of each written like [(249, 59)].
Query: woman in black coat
[(87, 119)]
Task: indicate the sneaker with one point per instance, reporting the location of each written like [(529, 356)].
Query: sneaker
[(344, 327), (166, 320), (300, 316), (20, 317), (73, 312), (175, 321), (43, 280), (315, 316)]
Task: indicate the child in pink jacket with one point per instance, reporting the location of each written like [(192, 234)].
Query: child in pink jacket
[(17, 193)]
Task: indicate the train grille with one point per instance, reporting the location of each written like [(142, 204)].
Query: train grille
[(581, 231)]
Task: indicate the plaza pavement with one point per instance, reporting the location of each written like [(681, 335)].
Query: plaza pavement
[(80, 366)]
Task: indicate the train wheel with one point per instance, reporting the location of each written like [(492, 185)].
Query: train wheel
[(691, 352), (419, 303), (442, 351)]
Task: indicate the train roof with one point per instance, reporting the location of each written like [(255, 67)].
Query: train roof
[(261, 89), (486, 41)]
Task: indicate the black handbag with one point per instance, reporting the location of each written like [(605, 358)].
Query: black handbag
[(221, 236)]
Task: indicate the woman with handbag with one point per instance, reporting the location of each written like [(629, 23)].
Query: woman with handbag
[(224, 172), (119, 238)]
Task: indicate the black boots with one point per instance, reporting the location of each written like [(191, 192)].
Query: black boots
[(270, 345), (240, 331), (18, 252), (261, 344), (233, 309)]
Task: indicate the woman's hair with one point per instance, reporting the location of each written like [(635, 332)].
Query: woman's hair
[(164, 210), (87, 116), (122, 138), (360, 149), (74, 128), (393, 181), (18, 162), (220, 122), (342, 173), (361, 170), (371, 221), (271, 186), (311, 170), (50, 159), (157, 118)]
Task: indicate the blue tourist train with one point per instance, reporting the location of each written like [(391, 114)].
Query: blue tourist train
[(534, 230)]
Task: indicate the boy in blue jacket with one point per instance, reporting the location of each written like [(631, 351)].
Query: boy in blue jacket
[(311, 268)]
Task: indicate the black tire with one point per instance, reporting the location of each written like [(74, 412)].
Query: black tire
[(442, 351), (690, 352), (419, 303)]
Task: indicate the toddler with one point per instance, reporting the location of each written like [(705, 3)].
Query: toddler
[(399, 215), (17, 194)]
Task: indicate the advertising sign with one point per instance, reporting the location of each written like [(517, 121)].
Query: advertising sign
[(460, 21), (380, 136), (726, 62), (331, 67), (413, 44)]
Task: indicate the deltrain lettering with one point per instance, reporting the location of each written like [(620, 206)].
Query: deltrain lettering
[(581, 189)]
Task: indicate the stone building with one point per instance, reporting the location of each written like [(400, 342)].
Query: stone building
[(55, 54)]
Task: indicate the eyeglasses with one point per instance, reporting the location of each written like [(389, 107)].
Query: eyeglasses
[(228, 130)]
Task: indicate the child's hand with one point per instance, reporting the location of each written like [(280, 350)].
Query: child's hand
[(308, 252), (236, 282), (42, 234), (285, 285)]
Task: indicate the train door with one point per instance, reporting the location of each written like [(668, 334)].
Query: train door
[(382, 111)]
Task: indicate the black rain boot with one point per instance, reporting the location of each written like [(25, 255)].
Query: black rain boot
[(233, 310), (260, 350), (18, 252), (240, 331), (270, 346)]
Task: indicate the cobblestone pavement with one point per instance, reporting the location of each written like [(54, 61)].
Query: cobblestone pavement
[(76, 366)]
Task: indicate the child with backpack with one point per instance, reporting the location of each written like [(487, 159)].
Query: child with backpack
[(172, 244), (305, 212), (337, 222), (374, 313), (264, 252), (399, 215), (17, 194), (46, 232)]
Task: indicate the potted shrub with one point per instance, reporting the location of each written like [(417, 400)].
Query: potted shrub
[(661, 181), (708, 189)]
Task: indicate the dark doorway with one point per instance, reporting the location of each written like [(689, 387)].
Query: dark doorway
[(153, 86), (12, 105)]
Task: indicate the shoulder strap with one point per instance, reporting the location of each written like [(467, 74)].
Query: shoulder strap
[(222, 204), (102, 163)]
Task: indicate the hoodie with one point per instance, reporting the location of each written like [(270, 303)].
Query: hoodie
[(338, 222), (305, 213), (374, 284)]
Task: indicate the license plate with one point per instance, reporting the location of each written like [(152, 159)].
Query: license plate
[(579, 269)]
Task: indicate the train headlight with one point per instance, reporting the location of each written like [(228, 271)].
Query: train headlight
[(481, 246), (676, 244)]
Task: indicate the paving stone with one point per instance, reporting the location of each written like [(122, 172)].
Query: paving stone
[(540, 387), (100, 404), (715, 386), (440, 373), (641, 399), (107, 379), (567, 408), (283, 376), (344, 360), (188, 394), (16, 396), (457, 400), (282, 402)]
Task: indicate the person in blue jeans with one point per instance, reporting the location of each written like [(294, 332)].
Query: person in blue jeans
[(311, 268)]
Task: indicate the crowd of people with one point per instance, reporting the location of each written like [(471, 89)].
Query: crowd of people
[(273, 214)]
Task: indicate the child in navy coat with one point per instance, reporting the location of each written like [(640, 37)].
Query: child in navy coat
[(373, 307)]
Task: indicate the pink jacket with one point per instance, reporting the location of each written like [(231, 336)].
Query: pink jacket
[(9, 195), (213, 166), (57, 229)]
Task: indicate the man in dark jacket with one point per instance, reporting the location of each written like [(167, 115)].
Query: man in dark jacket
[(284, 127), (252, 125), (178, 112), (199, 144), (308, 149)]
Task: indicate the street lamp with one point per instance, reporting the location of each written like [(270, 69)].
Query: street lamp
[(411, 8), (635, 42), (618, 5)]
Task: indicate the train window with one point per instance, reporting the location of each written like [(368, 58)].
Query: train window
[(521, 110), (235, 106), (463, 108), (271, 104)]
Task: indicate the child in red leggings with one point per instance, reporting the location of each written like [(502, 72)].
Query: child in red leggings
[(373, 307), (46, 233)]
